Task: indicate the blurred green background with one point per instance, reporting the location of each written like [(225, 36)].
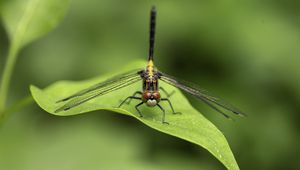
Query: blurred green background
[(246, 51)]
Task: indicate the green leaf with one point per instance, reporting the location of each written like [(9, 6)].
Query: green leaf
[(190, 125), (25, 21)]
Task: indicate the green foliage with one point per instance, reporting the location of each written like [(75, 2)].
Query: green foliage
[(190, 125), (26, 21)]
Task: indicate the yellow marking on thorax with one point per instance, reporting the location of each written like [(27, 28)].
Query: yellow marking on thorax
[(150, 68)]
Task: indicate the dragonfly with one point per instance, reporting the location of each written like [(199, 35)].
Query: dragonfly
[(150, 94)]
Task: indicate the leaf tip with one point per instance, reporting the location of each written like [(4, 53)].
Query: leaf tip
[(33, 89)]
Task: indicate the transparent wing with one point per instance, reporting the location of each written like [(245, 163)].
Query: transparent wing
[(119, 78), (201, 94), (99, 89)]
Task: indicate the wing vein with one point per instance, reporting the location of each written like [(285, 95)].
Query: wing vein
[(98, 90), (116, 79), (200, 94)]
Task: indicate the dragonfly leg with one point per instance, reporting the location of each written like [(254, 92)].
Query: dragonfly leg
[(164, 114), (166, 99), (136, 107), (129, 98), (134, 94), (166, 93)]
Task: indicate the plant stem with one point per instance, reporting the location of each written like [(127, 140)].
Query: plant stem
[(15, 107), (7, 73)]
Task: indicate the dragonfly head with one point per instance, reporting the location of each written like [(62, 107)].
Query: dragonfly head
[(151, 98)]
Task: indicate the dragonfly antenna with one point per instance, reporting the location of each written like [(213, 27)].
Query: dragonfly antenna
[(152, 32)]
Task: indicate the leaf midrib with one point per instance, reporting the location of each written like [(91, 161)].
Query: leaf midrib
[(22, 25)]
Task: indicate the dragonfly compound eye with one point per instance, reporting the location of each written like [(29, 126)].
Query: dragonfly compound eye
[(156, 96), (146, 95)]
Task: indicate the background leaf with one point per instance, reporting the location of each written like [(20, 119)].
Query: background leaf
[(190, 125), (27, 20)]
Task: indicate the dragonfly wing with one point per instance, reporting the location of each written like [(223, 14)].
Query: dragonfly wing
[(201, 94), (99, 90), (119, 78)]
